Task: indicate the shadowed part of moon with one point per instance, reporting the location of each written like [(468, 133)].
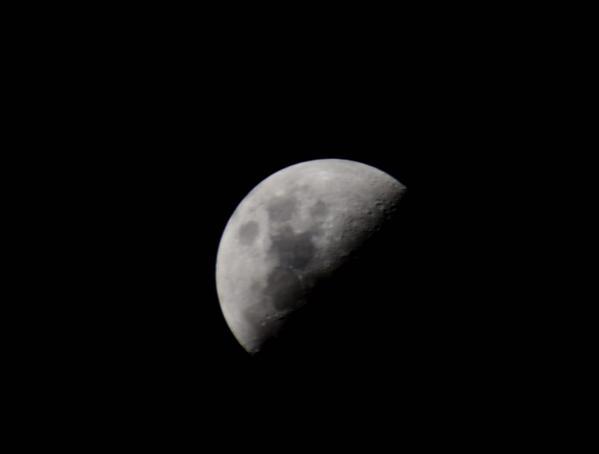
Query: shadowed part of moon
[(248, 232)]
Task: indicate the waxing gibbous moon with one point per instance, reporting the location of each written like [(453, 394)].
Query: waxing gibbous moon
[(292, 231)]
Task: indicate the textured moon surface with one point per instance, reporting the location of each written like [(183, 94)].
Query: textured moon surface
[(292, 231)]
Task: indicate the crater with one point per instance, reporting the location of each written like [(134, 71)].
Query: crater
[(248, 233)]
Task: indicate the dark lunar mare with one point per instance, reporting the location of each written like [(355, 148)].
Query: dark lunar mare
[(248, 233), (293, 250)]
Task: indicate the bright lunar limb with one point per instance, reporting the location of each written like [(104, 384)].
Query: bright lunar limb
[(294, 229)]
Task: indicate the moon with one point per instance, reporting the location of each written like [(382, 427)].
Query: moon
[(294, 230)]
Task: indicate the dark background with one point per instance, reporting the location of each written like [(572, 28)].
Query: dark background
[(422, 323), (159, 134)]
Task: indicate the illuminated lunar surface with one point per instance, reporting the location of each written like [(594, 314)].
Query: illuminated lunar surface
[(292, 231)]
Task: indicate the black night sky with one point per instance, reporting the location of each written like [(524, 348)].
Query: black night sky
[(165, 140), (417, 319)]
